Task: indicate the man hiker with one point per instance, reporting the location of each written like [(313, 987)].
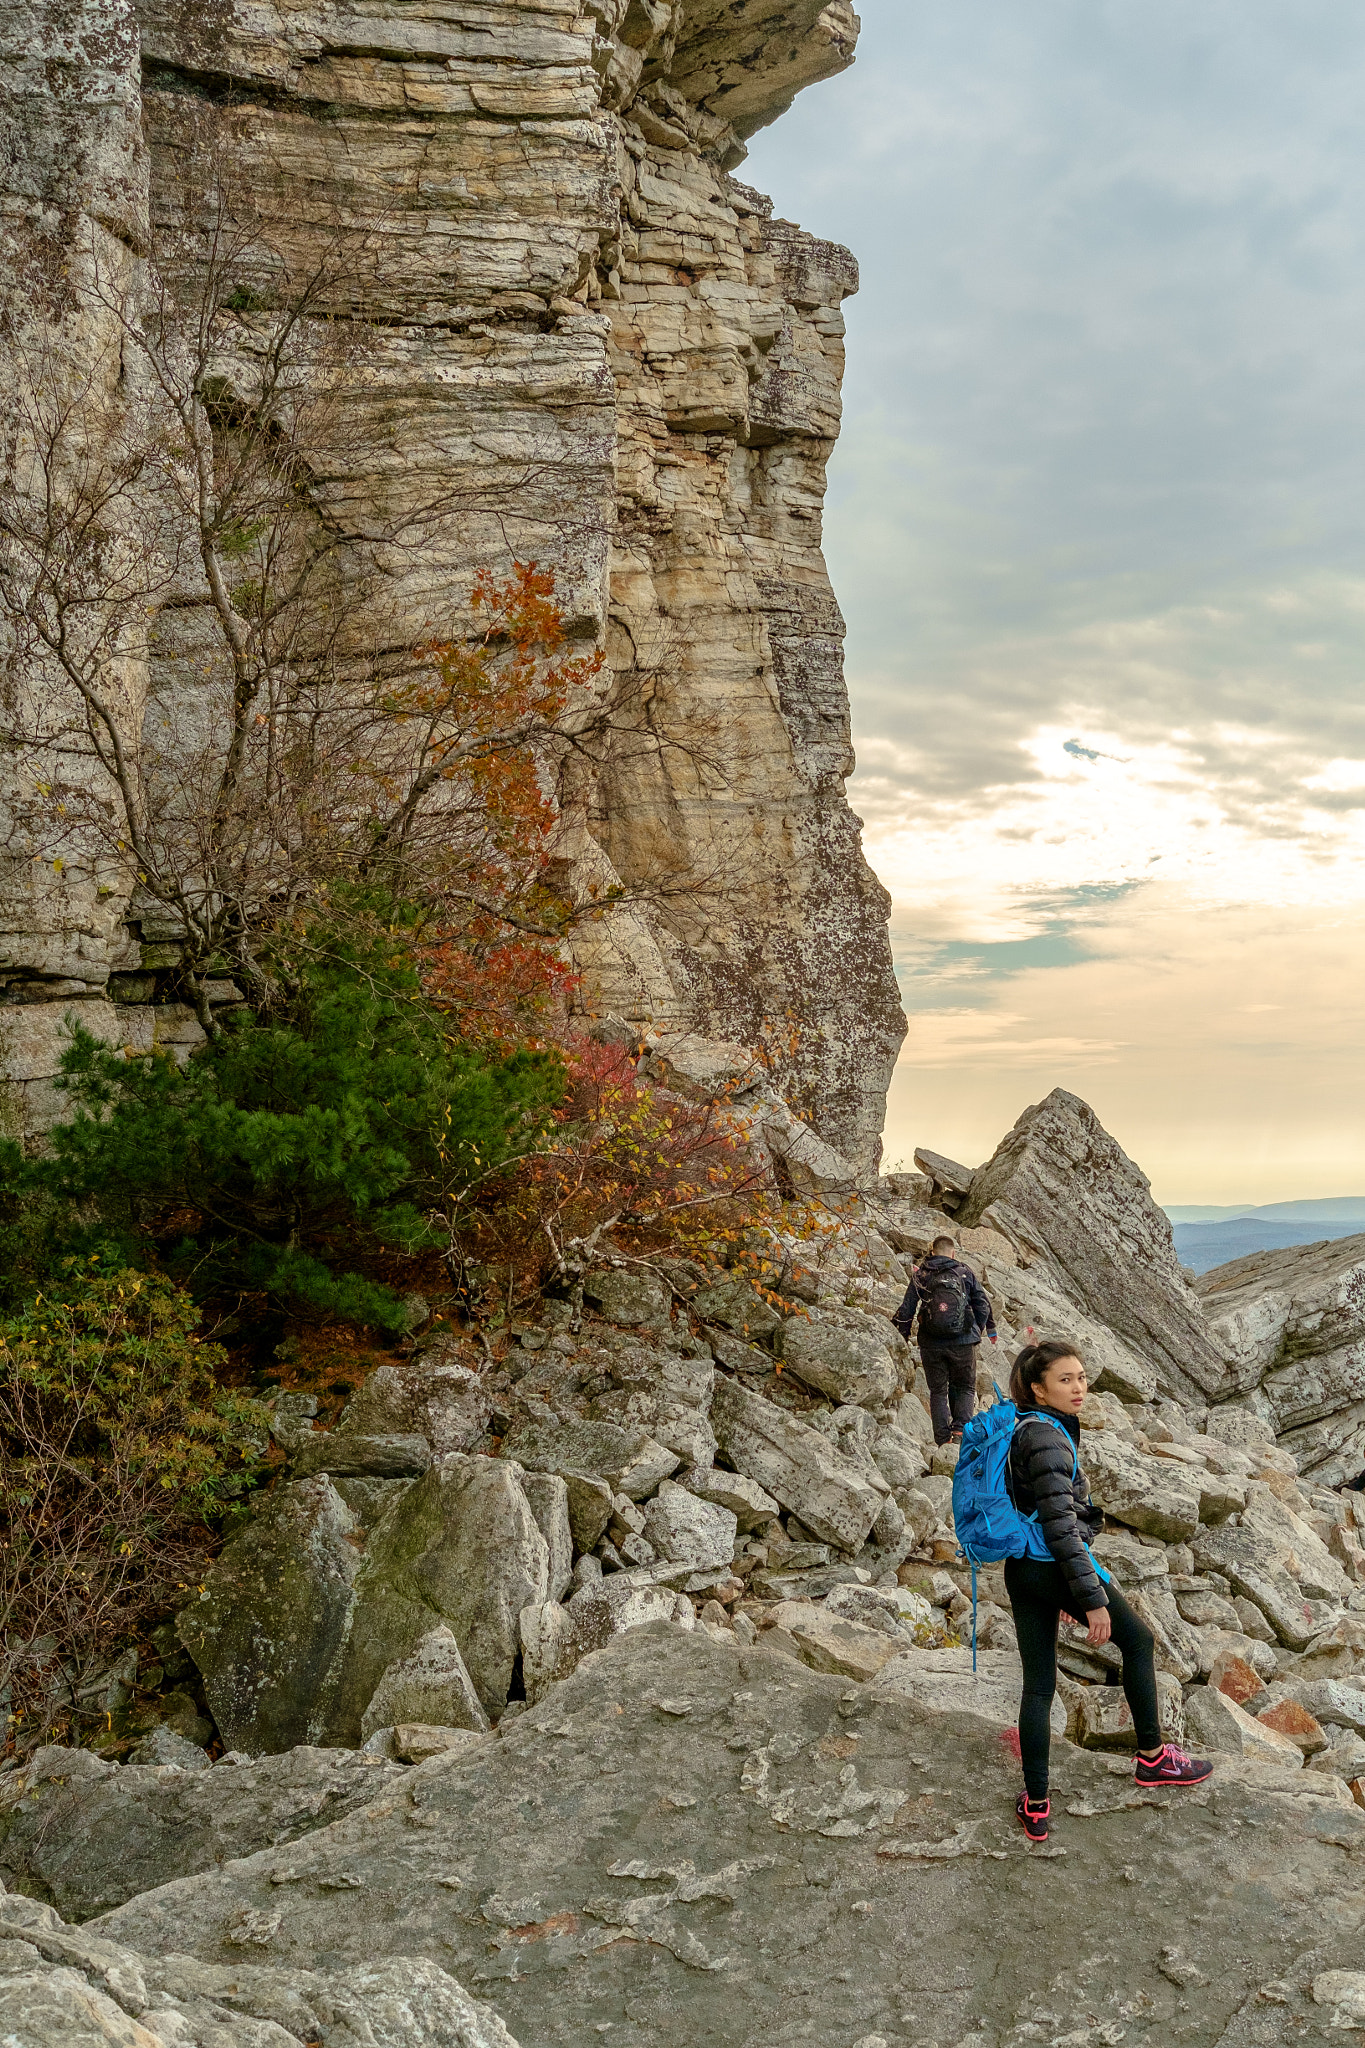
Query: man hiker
[(953, 1312)]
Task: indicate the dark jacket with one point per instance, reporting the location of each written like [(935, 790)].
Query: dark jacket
[(981, 1309), (1040, 1477)]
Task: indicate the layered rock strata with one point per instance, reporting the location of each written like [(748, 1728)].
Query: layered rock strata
[(609, 357)]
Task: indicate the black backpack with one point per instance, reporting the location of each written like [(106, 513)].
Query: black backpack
[(945, 1311)]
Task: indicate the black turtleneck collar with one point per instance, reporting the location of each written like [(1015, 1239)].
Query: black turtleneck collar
[(1070, 1423)]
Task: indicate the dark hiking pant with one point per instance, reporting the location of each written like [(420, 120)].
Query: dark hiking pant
[(951, 1372), (1038, 1594)]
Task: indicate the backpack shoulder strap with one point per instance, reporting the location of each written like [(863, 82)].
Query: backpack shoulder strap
[(1037, 1415)]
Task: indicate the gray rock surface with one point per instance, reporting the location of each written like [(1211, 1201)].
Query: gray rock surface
[(1292, 1323), (273, 1615), (461, 1547), (850, 1365), (86, 1835), (1063, 1186), (61, 1987), (685, 1529), (797, 1465), (723, 1847), (630, 1460), (1151, 1494), (429, 1685)]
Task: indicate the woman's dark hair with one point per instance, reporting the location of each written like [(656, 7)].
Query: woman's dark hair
[(1031, 1366)]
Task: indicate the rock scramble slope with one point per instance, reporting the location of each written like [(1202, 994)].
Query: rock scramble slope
[(611, 1682), (691, 1842)]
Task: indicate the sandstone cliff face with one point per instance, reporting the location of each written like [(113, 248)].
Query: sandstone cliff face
[(613, 360)]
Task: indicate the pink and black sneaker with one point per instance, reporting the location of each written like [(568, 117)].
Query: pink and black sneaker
[(1171, 1766), (1034, 1815)]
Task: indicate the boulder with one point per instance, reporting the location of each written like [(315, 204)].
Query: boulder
[(744, 1498), (630, 1460), (666, 1395), (1150, 1494), (1131, 1562), (663, 1811), (797, 1465), (272, 1617), (1293, 1721), (549, 1646), (617, 1603), (1254, 1567), (834, 1642), (1033, 1298), (547, 1496), (354, 1454), (634, 1298), (88, 1835), (1334, 1701), (1305, 1304), (899, 1457), (850, 1365), (688, 1530), (164, 1746), (434, 1397), (736, 1304), (1214, 1721), (1177, 1645), (1233, 1676), (943, 1682), (1061, 1183), (461, 1547), (1103, 1720), (65, 1987), (416, 1742), (430, 1685)]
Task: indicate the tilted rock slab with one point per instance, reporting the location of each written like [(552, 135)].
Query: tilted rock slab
[(1293, 1325), (1063, 1186), (461, 1547), (836, 1499), (1151, 1494), (703, 1843), (273, 1616)]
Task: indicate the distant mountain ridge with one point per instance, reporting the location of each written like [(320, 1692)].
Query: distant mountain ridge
[(1330, 1209), (1207, 1235)]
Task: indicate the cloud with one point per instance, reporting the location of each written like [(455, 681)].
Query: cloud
[(1095, 522)]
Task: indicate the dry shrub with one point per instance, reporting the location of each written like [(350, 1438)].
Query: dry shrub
[(119, 1457)]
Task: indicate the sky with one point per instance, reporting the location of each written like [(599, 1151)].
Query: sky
[(1097, 523)]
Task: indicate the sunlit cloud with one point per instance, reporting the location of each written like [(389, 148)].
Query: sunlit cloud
[(1096, 524)]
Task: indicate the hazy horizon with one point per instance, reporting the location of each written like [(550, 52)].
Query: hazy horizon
[(1095, 522)]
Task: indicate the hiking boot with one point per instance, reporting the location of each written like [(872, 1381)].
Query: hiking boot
[(1171, 1766), (1034, 1815)]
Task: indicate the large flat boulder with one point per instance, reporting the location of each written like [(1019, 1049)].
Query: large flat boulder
[(1065, 1188), (797, 1465), (273, 1615), (684, 1837)]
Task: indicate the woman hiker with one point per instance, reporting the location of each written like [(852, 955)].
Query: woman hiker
[(1048, 1385)]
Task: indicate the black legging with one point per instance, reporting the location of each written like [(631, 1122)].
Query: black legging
[(1038, 1594)]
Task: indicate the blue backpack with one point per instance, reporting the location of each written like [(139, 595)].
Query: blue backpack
[(989, 1526)]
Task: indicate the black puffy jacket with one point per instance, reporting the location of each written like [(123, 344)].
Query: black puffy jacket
[(1040, 1477)]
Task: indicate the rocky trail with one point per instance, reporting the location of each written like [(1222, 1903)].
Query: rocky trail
[(611, 1681)]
